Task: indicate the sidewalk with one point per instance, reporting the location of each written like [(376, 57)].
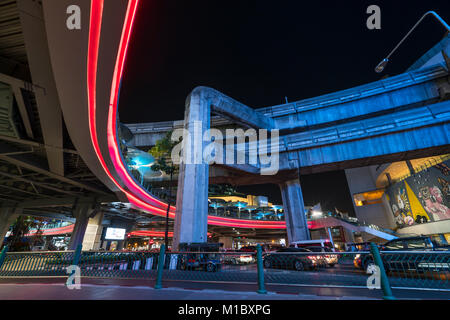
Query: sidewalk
[(58, 291), (141, 289)]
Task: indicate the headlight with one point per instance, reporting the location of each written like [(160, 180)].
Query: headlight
[(358, 256)]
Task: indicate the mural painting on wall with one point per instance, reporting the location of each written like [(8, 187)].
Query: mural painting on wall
[(422, 197)]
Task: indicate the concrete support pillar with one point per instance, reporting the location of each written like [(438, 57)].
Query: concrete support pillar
[(330, 235), (81, 214), (191, 220), (92, 237), (294, 208), (349, 236), (7, 218)]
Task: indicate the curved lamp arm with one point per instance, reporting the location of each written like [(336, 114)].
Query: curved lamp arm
[(380, 67)]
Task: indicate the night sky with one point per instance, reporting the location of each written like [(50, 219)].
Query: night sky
[(260, 52)]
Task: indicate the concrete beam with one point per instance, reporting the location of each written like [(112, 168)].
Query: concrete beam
[(379, 146), (30, 164), (42, 185), (35, 144), (232, 109), (50, 115), (23, 111), (417, 86), (65, 201)]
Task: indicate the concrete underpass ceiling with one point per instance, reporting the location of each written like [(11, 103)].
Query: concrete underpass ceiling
[(24, 175), (13, 56), (33, 162)]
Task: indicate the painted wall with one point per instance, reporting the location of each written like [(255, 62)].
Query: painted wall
[(421, 198)]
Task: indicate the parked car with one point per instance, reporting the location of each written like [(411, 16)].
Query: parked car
[(422, 243), (238, 258), (330, 259), (209, 262), (251, 249), (289, 260), (359, 261), (358, 246), (406, 262), (272, 247)]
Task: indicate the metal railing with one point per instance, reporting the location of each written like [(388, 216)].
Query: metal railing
[(423, 270), (211, 266), (118, 264), (35, 264)]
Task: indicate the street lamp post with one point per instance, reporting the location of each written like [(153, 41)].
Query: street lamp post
[(166, 233), (382, 65)]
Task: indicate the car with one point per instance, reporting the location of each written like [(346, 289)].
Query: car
[(289, 260), (421, 243), (210, 262), (200, 256), (272, 247), (238, 258), (251, 249), (330, 259), (403, 261), (358, 246), (358, 259)]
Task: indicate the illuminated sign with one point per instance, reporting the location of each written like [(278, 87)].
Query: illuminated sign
[(115, 234)]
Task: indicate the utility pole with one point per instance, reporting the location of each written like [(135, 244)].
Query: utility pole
[(166, 235)]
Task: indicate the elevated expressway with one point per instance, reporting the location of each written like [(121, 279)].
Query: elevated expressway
[(401, 117)]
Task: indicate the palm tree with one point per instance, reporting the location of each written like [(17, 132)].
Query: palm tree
[(161, 152)]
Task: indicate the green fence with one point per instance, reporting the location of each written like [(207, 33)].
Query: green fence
[(118, 264), (35, 264), (428, 270)]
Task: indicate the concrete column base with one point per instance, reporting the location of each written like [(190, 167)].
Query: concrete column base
[(81, 213), (91, 240), (227, 242)]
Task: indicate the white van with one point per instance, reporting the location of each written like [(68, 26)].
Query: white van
[(312, 243)]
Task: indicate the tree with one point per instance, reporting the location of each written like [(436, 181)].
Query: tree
[(20, 229), (162, 152)]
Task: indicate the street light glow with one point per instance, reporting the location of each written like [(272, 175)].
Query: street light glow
[(382, 65)]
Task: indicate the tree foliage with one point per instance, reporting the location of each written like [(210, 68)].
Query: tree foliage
[(21, 227), (162, 152)]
